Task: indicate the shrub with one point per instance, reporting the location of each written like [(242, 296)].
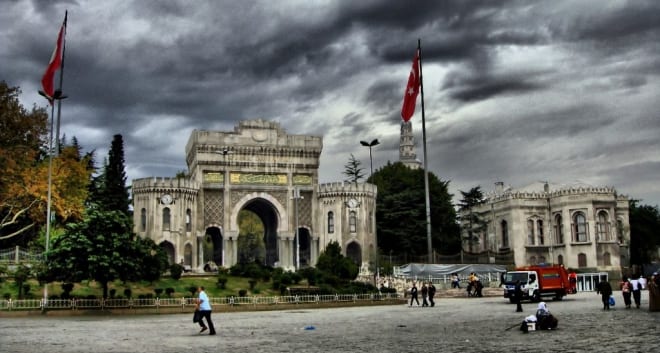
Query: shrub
[(175, 271), (222, 282), (242, 292), (253, 283), (7, 296), (275, 284), (169, 291), (112, 293), (158, 292), (192, 290), (26, 289), (128, 293), (256, 291), (296, 277)]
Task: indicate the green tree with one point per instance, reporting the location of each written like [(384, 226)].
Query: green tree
[(644, 236), (401, 213), (472, 221), (114, 193), (251, 246), (352, 170), (332, 262), (98, 248)]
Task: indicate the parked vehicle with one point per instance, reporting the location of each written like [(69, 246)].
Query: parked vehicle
[(537, 282)]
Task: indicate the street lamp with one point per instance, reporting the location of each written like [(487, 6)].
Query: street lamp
[(296, 197), (373, 143)]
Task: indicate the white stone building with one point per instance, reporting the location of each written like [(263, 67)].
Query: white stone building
[(260, 168), (579, 226)]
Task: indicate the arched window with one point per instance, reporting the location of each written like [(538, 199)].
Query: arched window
[(530, 232), (331, 222), (582, 260), (580, 228), (166, 218), (619, 231), (143, 220), (188, 220), (603, 227), (541, 259), (607, 259), (505, 234), (539, 232), (532, 260), (352, 222), (559, 230), (560, 259)]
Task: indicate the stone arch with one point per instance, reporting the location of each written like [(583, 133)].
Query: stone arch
[(187, 254), (169, 250), (305, 247), (354, 252), (213, 246), (269, 210)]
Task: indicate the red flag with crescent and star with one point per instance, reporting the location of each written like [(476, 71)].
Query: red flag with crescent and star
[(412, 90), (47, 81)]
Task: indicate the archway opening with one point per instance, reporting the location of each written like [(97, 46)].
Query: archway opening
[(213, 249), (266, 212), (354, 252), (169, 250), (305, 248)]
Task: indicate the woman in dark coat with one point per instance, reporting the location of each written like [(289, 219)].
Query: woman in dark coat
[(605, 290)]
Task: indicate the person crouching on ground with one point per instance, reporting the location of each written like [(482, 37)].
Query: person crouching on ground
[(545, 320)]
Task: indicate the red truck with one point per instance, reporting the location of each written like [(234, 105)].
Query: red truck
[(537, 282)]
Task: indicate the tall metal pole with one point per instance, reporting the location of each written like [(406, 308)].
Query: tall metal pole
[(426, 169), (296, 196), (374, 142)]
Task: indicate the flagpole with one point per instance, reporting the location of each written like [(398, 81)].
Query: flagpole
[(57, 95), (59, 101), (426, 169)]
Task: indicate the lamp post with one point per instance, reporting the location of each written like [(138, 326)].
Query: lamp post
[(374, 142), (371, 144), (296, 197)]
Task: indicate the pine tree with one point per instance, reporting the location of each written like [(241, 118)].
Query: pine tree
[(114, 193)]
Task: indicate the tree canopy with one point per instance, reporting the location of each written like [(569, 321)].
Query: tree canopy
[(644, 236), (401, 213), (24, 181)]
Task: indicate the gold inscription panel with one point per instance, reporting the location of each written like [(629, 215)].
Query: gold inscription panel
[(258, 179), (214, 177)]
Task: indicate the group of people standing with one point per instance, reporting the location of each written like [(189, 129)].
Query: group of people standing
[(428, 292), (631, 290)]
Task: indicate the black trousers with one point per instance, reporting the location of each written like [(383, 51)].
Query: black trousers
[(206, 314), (637, 296), (431, 300)]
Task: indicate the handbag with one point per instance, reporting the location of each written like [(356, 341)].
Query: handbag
[(612, 302), (197, 316)]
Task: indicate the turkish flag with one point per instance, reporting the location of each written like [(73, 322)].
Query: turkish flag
[(53, 65), (412, 90)]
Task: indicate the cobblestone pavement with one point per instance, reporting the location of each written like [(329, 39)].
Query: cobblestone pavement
[(453, 325)]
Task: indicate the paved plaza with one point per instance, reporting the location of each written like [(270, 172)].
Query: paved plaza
[(453, 325)]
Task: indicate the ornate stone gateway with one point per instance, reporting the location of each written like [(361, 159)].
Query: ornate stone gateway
[(260, 168)]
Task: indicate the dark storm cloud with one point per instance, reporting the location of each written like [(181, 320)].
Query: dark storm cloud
[(513, 90)]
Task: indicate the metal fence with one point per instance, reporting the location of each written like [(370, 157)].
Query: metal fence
[(18, 255), (183, 303)]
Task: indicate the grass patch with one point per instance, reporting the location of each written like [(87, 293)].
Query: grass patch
[(88, 288)]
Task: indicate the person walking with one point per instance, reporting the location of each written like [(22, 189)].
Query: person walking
[(425, 293), (431, 294), (654, 292), (413, 294), (626, 291), (517, 296), (204, 306), (605, 290), (636, 291)]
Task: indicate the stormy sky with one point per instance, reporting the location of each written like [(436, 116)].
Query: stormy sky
[(514, 91)]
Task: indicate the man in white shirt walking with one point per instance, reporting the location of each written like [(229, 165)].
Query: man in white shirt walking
[(204, 306)]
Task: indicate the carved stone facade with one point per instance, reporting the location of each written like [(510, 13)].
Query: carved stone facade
[(579, 226), (260, 168)]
